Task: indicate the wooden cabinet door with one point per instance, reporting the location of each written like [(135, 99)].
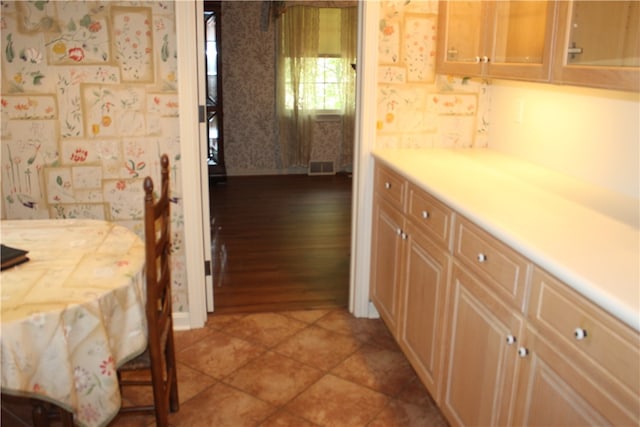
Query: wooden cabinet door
[(598, 44), (461, 37), (482, 355), (386, 261), (504, 39), (521, 40), (554, 390), (422, 307)]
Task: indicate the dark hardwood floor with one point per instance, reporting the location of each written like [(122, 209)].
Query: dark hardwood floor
[(281, 242)]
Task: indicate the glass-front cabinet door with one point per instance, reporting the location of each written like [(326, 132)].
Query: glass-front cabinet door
[(522, 41), (461, 37), (599, 44), (215, 136), (508, 39)]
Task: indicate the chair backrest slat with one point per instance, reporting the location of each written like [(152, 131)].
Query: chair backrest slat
[(161, 353), (158, 244)]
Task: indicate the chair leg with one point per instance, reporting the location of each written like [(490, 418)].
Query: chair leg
[(159, 396), (174, 402), (67, 418), (40, 414), (162, 416), (43, 413)]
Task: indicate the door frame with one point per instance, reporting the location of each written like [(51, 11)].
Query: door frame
[(197, 232), (194, 169), (365, 136), (204, 151)]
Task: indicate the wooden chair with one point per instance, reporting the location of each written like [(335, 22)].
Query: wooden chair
[(158, 361), (43, 414)]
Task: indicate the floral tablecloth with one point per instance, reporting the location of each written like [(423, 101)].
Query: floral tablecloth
[(72, 314)]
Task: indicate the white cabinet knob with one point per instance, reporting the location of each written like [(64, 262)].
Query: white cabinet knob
[(482, 257), (425, 214), (477, 59), (401, 233), (511, 339), (387, 185), (580, 334), (484, 59), (523, 352)]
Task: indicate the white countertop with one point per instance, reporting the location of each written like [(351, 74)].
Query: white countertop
[(586, 236)]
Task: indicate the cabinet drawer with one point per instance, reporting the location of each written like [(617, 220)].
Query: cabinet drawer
[(493, 260), (569, 319), (390, 185), (430, 215), (556, 388)]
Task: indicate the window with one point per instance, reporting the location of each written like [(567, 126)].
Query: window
[(327, 76), (328, 72)]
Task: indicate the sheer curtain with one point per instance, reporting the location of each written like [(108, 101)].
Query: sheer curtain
[(297, 51), (298, 41), (348, 43)]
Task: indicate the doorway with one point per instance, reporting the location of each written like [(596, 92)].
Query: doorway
[(214, 105), (196, 213), (247, 65)]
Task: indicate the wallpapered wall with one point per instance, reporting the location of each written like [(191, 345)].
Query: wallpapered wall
[(88, 104), (250, 125), (248, 97), (417, 108)]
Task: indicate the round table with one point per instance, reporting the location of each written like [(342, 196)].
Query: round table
[(72, 314)]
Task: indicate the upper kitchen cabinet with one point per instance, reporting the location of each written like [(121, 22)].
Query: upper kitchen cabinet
[(502, 39), (598, 44)]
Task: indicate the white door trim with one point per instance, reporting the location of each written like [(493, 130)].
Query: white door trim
[(204, 151), (194, 169), (365, 136), (193, 162)]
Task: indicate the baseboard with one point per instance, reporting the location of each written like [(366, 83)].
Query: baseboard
[(248, 172), (373, 313), (299, 170), (181, 321)]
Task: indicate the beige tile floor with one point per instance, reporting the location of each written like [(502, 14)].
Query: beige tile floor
[(297, 368)]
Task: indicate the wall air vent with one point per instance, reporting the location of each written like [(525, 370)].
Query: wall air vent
[(321, 168)]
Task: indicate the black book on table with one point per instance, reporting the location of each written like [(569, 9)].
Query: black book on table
[(12, 256)]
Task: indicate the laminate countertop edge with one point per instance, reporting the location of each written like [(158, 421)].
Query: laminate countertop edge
[(586, 236)]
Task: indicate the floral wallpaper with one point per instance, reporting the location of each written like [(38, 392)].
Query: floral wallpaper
[(88, 104), (250, 125), (416, 107)]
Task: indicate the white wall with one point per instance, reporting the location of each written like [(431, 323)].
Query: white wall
[(591, 134)]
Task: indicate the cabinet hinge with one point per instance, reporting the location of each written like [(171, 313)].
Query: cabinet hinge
[(202, 113), (207, 268)]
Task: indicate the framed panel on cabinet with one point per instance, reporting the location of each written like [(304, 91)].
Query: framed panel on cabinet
[(598, 44), (502, 39)]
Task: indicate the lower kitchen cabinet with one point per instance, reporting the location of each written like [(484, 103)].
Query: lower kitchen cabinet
[(495, 339), (386, 255), (410, 269), (482, 355), (582, 366), (556, 389), (424, 289)]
